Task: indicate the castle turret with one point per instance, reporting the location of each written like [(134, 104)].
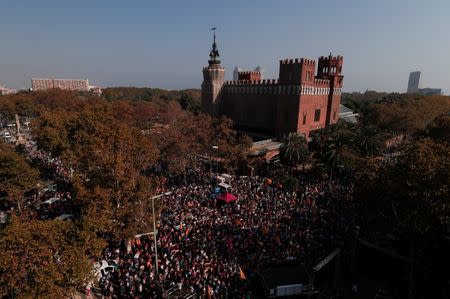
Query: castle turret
[(331, 68), (213, 79)]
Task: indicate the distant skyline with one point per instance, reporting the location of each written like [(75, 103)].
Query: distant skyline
[(165, 44)]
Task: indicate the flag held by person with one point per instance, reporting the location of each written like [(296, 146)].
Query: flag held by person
[(242, 274)]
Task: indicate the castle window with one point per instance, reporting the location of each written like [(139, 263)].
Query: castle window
[(334, 115), (304, 118), (317, 115)]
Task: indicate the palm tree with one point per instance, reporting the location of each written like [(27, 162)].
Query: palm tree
[(369, 141), (335, 149), (294, 149), (319, 140)]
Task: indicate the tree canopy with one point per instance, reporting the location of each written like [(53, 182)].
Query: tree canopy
[(115, 151), (42, 259), (17, 177)]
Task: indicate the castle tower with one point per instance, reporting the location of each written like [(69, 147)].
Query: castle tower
[(331, 68), (213, 79)]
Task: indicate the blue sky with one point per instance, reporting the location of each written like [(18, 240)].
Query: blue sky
[(166, 43)]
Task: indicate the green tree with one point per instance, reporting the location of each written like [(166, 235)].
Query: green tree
[(368, 139), (294, 149), (337, 149), (319, 139)]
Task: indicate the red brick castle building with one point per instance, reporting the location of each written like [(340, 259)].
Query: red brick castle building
[(301, 100)]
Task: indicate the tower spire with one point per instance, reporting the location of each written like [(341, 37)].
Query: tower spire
[(214, 54)]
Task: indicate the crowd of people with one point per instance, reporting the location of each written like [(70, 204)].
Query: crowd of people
[(51, 198), (53, 166), (209, 249)]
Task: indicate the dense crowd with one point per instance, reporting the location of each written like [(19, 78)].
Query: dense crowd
[(208, 249)]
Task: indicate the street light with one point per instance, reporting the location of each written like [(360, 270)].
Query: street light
[(154, 227)]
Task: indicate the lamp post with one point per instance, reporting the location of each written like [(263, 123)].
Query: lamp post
[(217, 157), (154, 228)]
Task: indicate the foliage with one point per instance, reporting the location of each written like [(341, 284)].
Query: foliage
[(189, 99), (338, 149), (369, 141), (118, 148), (16, 176), (42, 259), (116, 151), (408, 199), (408, 115), (294, 149), (439, 129)]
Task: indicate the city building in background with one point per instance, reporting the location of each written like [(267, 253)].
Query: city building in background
[(430, 91), (64, 84), (414, 86), (260, 70), (300, 100), (413, 82), (5, 90), (236, 72)]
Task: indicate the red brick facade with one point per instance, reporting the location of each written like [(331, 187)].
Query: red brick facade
[(249, 75), (299, 101)]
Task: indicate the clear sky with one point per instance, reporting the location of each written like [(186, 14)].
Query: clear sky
[(166, 43)]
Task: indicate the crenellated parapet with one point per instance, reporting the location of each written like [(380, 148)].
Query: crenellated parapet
[(331, 59), (304, 61), (271, 86), (249, 75), (266, 86), (330, 66), (305, 96), (249, 72)]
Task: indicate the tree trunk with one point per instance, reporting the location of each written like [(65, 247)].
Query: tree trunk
[(332, 168)]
